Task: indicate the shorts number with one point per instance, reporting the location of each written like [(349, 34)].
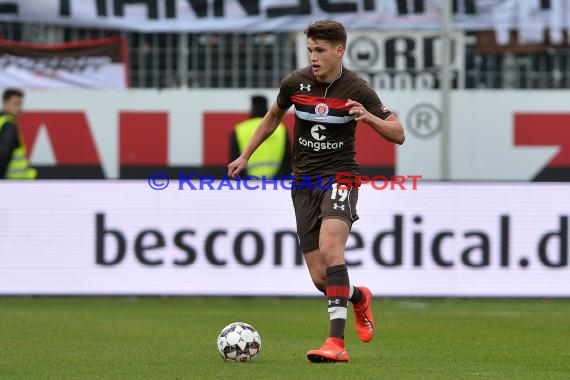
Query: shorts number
[(343, 193)]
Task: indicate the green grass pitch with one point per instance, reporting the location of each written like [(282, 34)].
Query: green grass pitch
[(175, 338)]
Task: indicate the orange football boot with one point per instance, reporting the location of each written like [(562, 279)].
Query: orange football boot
[(363, 318), (331, 352)]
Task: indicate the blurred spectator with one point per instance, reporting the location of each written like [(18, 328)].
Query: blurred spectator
[(273, 157), (13, 161)]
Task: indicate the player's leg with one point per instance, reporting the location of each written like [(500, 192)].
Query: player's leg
[(360, 297), (309, 229), (318, 271), (332, 240), (342, 203)]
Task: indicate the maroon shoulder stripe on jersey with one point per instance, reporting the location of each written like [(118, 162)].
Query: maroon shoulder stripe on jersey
[(307, 100)]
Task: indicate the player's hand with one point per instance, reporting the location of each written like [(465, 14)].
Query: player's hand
[(357, 109), (235, 167)]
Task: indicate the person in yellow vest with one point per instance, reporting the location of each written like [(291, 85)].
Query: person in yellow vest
[(13, 161), (273, 157)]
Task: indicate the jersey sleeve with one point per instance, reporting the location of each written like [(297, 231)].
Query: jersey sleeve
[(373, 104), (285, 92)]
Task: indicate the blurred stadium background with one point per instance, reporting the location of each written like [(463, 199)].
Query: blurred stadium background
[(118, 90)]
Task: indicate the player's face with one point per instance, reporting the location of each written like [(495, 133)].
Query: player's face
[(325, 59), (13, 105)]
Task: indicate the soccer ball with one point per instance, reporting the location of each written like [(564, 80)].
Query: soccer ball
[(239, 342)]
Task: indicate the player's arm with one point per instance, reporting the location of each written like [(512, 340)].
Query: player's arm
[(268, 125), (390, 128), (369, 109)]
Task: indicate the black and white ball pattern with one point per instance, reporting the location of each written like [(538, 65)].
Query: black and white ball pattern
[(239, 342)]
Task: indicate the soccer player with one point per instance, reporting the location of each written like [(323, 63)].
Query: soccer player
[(329, 100)]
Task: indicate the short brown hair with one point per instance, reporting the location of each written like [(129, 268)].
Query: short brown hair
[(328, 30)]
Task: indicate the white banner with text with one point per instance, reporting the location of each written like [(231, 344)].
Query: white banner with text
[(531, 17), (202, 237)]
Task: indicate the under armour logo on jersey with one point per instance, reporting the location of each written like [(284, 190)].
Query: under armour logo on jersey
[(334, 301), (305, 87), (335, 206)]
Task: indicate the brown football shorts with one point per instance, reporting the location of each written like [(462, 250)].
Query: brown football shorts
[(312, 204)]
